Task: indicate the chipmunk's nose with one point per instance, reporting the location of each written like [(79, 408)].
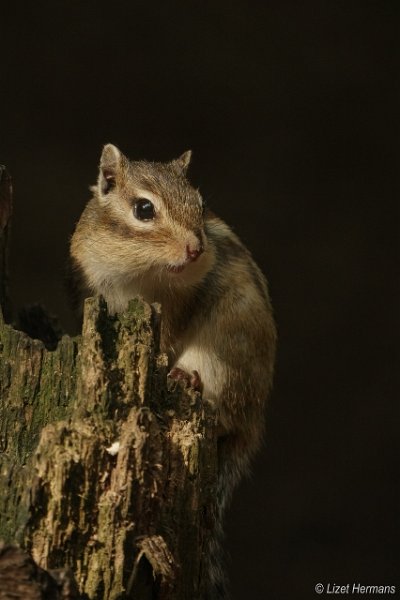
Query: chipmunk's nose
[(194, 253)]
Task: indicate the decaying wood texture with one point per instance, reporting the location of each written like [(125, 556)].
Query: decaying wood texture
[(106, 467)]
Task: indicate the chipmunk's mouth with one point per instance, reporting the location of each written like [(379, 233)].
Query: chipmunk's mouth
[(175, 268)]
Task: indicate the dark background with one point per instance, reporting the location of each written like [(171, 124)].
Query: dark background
[(288, 107)]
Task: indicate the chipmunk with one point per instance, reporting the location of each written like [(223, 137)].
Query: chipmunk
[(146, 231)]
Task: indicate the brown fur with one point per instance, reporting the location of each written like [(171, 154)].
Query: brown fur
[(217, 317)]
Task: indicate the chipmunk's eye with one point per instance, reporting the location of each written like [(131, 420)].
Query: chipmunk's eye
[(143, 210)]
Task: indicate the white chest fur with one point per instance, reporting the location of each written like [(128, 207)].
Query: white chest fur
[(211, 369)]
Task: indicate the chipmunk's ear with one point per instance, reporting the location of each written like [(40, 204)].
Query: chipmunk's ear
[(111, 163), (181, 164)]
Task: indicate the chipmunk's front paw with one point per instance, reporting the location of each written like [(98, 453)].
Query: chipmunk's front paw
[(192, 379)]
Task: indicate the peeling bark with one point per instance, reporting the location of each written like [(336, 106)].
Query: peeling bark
[(106, 467)]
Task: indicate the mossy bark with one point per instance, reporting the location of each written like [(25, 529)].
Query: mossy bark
[(106, 466)]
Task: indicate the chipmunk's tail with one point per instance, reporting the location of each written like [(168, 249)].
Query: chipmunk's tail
[(232, 466)]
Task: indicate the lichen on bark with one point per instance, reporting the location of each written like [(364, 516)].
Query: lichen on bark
[(99, 455)]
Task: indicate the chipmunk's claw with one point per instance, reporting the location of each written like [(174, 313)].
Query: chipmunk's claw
[(192, 379)]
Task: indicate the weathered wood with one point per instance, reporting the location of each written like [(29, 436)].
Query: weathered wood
[(105, 466)]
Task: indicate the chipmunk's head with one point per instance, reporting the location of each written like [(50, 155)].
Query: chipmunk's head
[(145, 222)]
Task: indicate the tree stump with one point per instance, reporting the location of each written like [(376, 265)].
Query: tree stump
[(107, 468)]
